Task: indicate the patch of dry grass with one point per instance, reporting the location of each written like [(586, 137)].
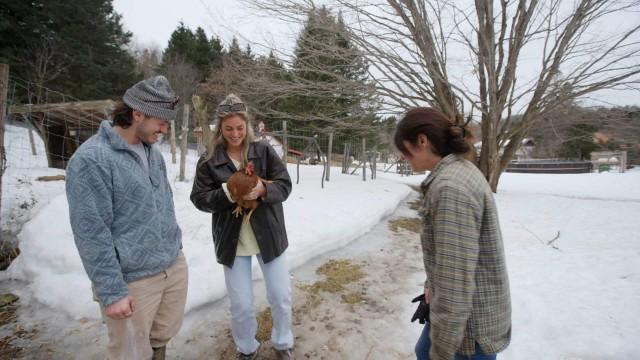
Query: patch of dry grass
[(353, 298), (7, 254), (409, 224), (10, 350), (8, 308), (415, 205), (338, 273), (265, 323)]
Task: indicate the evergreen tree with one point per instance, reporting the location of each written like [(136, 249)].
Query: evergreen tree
[(234, 53), (215, 53), (181, 43), (195, 48), (580, 142), (75, 47), (238, 64), (333, 71)]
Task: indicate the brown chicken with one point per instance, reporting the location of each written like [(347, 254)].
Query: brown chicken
[(240, 184)]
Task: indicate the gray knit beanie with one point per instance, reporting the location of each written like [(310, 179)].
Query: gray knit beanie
[(154, 97)]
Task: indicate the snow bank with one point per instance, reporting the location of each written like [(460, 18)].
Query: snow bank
[(318, 220)]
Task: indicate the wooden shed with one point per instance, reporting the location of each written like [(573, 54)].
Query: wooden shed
[(63, 126)]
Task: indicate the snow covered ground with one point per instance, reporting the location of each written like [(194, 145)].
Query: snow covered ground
[(22, 195), (581, 299), (317, 220), (572, 244)]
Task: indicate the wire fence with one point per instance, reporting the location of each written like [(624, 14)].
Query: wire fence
[(45, 128), (38, 139), (337, 148)]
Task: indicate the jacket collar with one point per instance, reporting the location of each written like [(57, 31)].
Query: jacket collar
[(449, 159), (107, 132), (115, 140), (221, 157)]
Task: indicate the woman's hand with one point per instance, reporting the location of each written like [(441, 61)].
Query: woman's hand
[(427, 295), (258, 191)]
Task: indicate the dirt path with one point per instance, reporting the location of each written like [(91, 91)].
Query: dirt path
[(352, 303)]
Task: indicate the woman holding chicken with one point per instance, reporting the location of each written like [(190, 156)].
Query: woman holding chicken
[(237, 171)]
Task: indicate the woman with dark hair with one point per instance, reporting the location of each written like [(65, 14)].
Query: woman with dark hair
[(467, 286), (238, 239)]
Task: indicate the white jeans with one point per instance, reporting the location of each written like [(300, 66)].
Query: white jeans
[(244, 325)]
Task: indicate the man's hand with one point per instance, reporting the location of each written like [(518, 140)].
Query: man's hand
[(427, 295), (258, 191), (120, 309)]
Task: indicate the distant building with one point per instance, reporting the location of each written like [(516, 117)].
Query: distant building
[(602, 160), (524, 152)]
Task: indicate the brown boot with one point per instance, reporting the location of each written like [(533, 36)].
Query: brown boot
[(159, 353)]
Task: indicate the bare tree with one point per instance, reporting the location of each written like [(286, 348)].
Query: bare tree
[(201, 114), (450, 56), (316, 85), (183, 77), (148, 59), (44, 66)]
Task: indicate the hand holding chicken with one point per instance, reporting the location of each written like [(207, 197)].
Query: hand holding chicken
[(245, 188)]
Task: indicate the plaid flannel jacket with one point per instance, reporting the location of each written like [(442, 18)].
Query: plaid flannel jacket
[(464, 261)]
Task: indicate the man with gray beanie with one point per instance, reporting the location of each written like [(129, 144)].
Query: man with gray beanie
[(124, 224)]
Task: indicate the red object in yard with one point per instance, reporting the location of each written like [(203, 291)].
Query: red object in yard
[(295, 152)]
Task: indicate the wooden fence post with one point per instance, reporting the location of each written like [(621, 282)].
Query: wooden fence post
[(285, 143), (364, 159), (173, 141), (4, 86), (183, 143), (329, 151)]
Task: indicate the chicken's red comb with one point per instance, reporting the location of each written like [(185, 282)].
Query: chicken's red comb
[(249, 168)]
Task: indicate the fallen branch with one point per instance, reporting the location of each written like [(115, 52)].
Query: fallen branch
[(51, 178), (554, 239)]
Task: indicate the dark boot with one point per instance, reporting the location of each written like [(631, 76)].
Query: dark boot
[(252, 356), (159, 353), (284, 354)]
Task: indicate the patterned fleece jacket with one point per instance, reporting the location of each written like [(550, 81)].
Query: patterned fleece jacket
[(122, 215)]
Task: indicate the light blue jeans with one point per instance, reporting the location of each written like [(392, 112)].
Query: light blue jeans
[(244, 325)]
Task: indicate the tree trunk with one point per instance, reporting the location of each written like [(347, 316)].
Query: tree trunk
[(173, 141), (330, 150), (200, 109), (32, 142), (183, 143), (494, 178), (285, 142), (4, 86)]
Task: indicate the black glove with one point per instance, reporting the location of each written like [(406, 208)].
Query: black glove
[(422, 312)]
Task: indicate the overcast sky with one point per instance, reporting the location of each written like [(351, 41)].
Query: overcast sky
[(153, 21)]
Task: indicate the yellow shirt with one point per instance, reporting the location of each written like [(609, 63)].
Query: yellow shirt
[(247, 243)]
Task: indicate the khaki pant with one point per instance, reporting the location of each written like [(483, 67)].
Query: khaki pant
[(159, 303)]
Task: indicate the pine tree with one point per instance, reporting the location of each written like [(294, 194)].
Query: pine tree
[(234, 53), (181, 43), (580, 142), (237, 65), (75, 47), (333, 71), (195, 48)]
